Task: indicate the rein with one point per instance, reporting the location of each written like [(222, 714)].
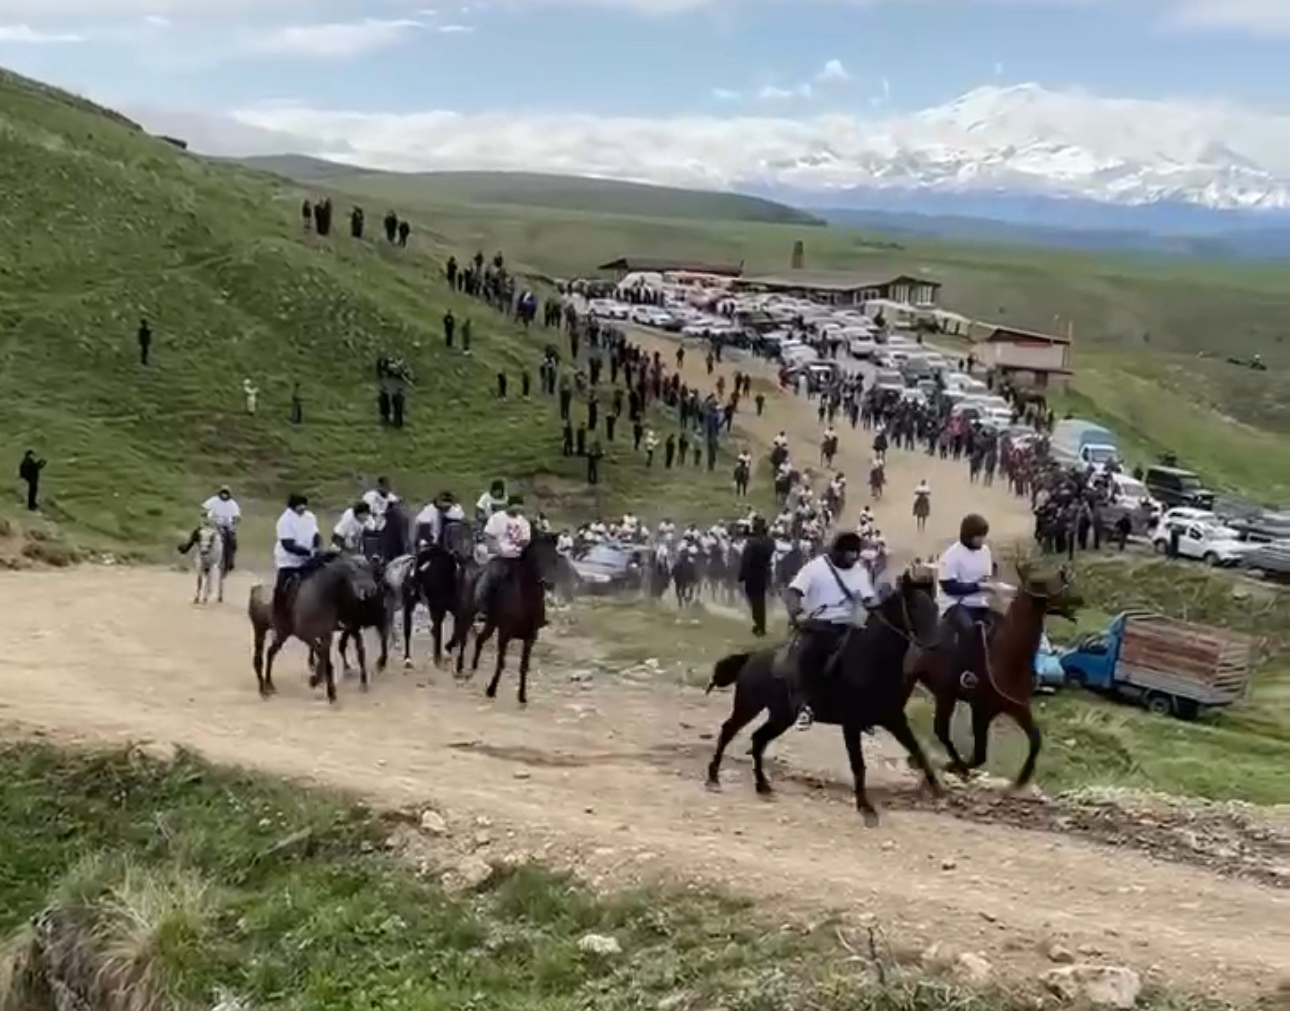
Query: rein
[(985, 647)]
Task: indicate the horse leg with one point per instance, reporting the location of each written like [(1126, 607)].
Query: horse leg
[(344, 658), (776, 724), (1026, 721), (383, 630), (436, 635), (481, 637), (982, 717), (855, 756), (329, 670), (526, 657), (941, 726), (360, 650), (899, 728), (743, 712), (503, 640), (267, 687), (197, 590), (407, 634), (257, 658), (459, 636)]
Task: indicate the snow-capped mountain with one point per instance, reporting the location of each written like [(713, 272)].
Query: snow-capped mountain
[(1029, 140)]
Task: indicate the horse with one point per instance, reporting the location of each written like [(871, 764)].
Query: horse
[(328, 596), (208, 562), (865, 689), (994, 671), (686, 578), (513, 612), (386, 550), (828, 450), (435, 580), (922, 510), (877, 481)]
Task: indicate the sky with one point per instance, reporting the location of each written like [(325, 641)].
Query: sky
[(609, 85)]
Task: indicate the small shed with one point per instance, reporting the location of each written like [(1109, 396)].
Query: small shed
[(1012, 353)]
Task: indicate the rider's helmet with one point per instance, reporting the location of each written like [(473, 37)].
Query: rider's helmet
[(973, 531)]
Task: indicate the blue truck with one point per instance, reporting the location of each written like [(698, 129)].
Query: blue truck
[(1172, 667)]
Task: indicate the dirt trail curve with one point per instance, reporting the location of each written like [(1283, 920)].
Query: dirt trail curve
[(952, 494), (606, 774)]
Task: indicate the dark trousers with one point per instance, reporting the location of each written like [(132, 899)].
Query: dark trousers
[(230, 548), (757, 605), (32, 488), (820, 640), (282, 585)]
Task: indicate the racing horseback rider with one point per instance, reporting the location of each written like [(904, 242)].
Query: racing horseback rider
[(506, 534), (225, 513), (296, 541), (966, 570), (353, 524), (433, 520), (490, 503), (823, 601)]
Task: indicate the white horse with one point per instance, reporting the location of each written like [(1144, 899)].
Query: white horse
[(208, 561)]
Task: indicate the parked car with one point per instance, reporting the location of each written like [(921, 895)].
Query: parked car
[(1207, 542), (609, 567), (1173, 486)]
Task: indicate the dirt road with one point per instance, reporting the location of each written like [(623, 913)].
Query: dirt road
[(952, 494), (609, 776)]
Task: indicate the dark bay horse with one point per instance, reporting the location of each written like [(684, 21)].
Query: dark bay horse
[(435, 580), (514, 612), (330, 596), (381, 548), (994, 671), (865, 689)]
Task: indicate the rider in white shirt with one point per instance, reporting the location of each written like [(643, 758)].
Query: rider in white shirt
[(378, 500), (966, 571), (564, 543), (492, 501), (781, 441), (434, 518), (296, 538), (825, 599), (353, 523), (222, 510), (506, 535)]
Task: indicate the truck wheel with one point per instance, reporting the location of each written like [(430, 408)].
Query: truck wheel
[(1211, 559), (1187, 709), (1160, 704)]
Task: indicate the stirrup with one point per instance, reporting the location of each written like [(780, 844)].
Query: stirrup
[(968, 680), (805, 718)]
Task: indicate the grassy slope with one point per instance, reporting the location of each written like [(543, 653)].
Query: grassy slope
[(103, 225), (1140, 323), (596, 196), (1241, 754), (234, 886)]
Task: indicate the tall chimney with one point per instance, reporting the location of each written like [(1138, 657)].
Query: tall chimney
[(799, 256)]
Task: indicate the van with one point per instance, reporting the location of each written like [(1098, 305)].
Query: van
[(1173, 486)]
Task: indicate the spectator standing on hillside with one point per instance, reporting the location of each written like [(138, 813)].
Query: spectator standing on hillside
[(465, 335), (29, 471), (297, 406), (145, 341), (252, 393)]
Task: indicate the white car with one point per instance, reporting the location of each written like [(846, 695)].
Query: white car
[(862, 347), (1214, 545)]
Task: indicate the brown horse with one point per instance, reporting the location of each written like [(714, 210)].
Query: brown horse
[(994, 670), (331, 595), (514, 612), (866, 689)]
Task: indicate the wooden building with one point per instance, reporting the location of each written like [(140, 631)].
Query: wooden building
[(1027, 356), (842, 288), (625, 265)]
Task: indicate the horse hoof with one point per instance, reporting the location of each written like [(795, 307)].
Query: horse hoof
[(407, 663), (869, 817), (765, 790), (713, 785)]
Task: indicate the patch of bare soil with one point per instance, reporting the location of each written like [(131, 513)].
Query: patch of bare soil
[(607, 777)]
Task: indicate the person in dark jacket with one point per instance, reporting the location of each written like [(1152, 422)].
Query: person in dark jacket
[(755, 573), (29, 472)]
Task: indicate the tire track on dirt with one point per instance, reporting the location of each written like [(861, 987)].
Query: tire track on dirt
[(116, 655)]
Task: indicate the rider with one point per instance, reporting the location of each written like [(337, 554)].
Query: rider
[(296, 538), (966, 569), (823, 601), (506, 534), (378, 500), (491, 502), (434, 519), (223, 510), (347, 535)]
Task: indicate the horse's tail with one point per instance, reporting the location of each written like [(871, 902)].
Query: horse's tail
[(726, 671)]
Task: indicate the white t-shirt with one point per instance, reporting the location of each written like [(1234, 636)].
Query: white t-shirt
[(432, 517), (822, 597), (223, 512), (512, 533), (302, 529), (350, 530), (378, 503), (965, 566)]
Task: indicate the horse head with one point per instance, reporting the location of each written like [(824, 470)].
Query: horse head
[(912, 608), (1054, 589), (458, 539), (541, 556)]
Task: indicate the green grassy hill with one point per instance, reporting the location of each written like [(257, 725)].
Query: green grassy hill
[(531, 189), (104, 225), (1152, 334)]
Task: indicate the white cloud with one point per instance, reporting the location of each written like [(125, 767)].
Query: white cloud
[(456, 29), (833, 72), (1267, 18), (774, 93), (338, 40), (26, 35), (1021, 138), (725, 95)]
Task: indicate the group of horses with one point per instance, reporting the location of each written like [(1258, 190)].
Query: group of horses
[(346, 594), (871, 678)]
